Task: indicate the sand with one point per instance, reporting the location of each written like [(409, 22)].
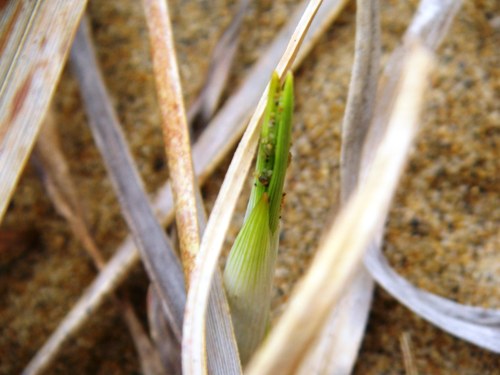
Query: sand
[(442, 230)]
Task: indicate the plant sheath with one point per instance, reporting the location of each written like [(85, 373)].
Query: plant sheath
[(250, 266)]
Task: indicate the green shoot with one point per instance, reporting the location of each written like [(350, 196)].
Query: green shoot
[(250, 266)]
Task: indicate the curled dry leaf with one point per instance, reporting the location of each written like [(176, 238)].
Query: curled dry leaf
[(476, 325), (430, 23)]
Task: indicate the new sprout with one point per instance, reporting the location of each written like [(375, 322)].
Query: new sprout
[(250, 266)]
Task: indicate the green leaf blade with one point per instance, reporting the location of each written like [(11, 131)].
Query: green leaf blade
[(250, 267), (285, 109), (247, 279)]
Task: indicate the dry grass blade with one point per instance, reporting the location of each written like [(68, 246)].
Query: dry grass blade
[(15, 18), (361, 97), (107, 281), (474, 324), (36, 37), (157, 254), (203, 108), (54, 171), (162, 335), (149, 356), (408, 358), (432, 21), (224, 358), (193, 348), (430, 25), (214, 144), (51, 163), (337, 348), (344, 245)]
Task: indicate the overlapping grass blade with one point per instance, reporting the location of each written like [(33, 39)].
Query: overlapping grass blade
[(430, 25), (205, 105), (29, 72), (337, 348), (250, 267), (54, 171), (221, 134), (224, 357), (343, 248), (193, 355), (161, 263)]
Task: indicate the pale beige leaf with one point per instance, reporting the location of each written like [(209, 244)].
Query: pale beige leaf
[(35, 39), (336, 349)]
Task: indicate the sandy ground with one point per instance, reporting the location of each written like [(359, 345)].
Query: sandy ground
[(442, 232)]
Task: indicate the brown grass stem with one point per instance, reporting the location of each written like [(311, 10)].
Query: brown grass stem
[(224, 353), (175, 130)]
